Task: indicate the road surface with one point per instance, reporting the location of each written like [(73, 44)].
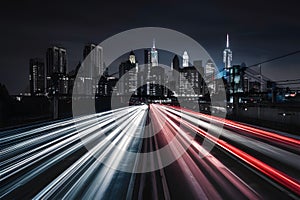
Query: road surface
[(148, 152)]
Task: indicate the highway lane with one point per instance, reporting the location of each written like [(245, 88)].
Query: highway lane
[(101, 156), (284, 168), (197, 177), (21, 162), (287, 158)]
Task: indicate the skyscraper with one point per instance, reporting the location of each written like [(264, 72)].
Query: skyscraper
[(57, 80), (37, 76), (190, 82), (56, 58), (128, 71), (236, 74), (210, 72), (154, 55), (132, 57), (157, 81), (93, 55), (175, 73), (227, 57), (185, 57), (198, 65), (92, 69), (175, 62), (147, 56)]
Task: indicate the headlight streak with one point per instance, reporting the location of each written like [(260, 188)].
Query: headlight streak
[(211, 165), (98, 189), (72, 143), (12, 169), (114, 136), (281, 139), (184, 162), (284, 156), (100, 151), (15, 135), (269, 171)]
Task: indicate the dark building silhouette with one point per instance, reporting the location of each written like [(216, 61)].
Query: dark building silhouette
[(157, 81), (129, 68), (176, 63), (57, 80), (91, 70), (107, 85), (72, 76), (56, 61), (87, 49), (175, 74), (37, 77), (144, 75), (93, 56), (237, 79), (191, 82), (147, 56)]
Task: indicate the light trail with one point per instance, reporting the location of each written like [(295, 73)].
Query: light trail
[(85, 158), (271, 172), (210, 165), (281, 139), (100, 151), (54, 151), (288, 159)]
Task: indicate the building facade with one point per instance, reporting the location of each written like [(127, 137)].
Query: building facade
[(56, 62), (191, 83), (154, 55), (185, 59), (227, 56), (128, 72), (37, 77)]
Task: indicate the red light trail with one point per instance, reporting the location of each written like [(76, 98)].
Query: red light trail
[(271, 172)]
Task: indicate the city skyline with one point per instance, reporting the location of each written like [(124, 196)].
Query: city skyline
[(274, 33), (53, 77), (150, 100), (151, 55), (183, 59)]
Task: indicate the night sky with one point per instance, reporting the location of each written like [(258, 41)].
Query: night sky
[(259, 30)]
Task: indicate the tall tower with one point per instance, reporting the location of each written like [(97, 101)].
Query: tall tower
[(132, 57), (94, 68), (128, 71), (154, 55), (56, 58), (94, 53), (175, 63), (185, 58), (227, 56), (37, 76), (56, 63)]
